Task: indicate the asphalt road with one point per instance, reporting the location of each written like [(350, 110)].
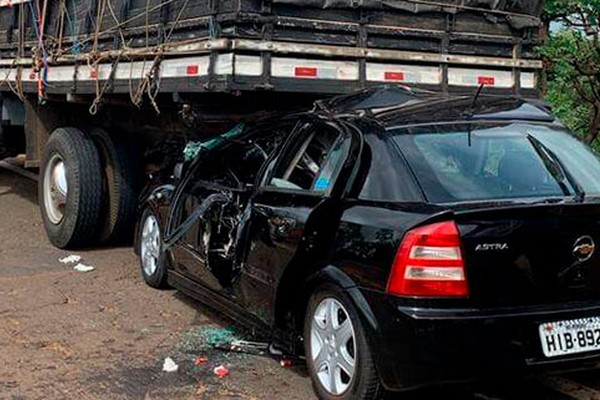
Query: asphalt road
[(104, 334)]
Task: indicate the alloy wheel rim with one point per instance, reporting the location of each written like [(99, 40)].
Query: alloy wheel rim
[(56, 189), (333, 346), (150, 245)]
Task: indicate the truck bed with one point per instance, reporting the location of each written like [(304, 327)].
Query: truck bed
[(314, 46)]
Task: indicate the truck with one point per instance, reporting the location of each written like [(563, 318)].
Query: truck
[(101, 94)]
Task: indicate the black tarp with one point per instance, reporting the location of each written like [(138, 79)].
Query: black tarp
[(519, 13), (71, 26)]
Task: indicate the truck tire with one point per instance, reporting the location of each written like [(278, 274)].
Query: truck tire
[(70, 188), (121, 185)]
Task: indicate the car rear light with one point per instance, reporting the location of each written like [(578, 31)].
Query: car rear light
[(429, 263)]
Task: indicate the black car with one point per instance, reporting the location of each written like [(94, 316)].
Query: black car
[(397, 239)]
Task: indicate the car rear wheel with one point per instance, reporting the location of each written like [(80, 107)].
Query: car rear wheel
[(151, 253), (338, 356)]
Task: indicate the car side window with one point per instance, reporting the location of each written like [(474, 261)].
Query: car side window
[(313, 163), (244, 161), (214, 170), (388, 176), (237, 164)]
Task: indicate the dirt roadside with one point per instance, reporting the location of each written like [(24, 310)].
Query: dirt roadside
[(104, 334)]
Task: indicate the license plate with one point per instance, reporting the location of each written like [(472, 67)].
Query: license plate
[(570, 337)]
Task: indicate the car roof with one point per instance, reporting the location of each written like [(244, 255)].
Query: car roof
[(396, 106)]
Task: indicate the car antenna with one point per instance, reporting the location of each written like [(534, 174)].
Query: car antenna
[(472, 112)]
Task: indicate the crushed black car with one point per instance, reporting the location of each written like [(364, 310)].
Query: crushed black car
[(397, 239)]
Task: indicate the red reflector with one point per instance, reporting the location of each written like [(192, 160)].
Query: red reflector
[(394, 76), (306, 72), (94, 74), (429, 263), (486, 80), (192, 70)]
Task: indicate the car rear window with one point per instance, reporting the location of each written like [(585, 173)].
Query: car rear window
[(486, 162)]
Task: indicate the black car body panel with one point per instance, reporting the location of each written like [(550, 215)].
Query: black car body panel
[(255, 247), (510, 261), (457, 345)]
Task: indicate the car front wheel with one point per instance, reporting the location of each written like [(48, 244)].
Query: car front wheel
[(152, 258), (338, 356)]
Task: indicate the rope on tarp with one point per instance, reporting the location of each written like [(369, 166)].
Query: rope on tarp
[(49, 47)]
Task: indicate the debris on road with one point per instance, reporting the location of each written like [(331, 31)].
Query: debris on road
[(83, 268), (208, 338), (200, 361), (169, 365), (75, 259), (221, 371), (71, 259), (242, 346)]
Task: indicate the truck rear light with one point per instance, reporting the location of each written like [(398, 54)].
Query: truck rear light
[(306, 72), (429, 263), (394, 76), (192, 70), (486, 80)]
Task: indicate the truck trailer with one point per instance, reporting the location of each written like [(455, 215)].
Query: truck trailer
[(103, 93)]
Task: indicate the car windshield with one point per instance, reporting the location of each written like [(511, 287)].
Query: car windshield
[(498, 162)]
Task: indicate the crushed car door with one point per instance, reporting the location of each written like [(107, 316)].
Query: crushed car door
[(290, 209), (209, 192), (216, 199)]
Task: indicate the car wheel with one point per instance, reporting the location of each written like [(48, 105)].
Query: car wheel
[(121, 185), (70, 188), (338, 356), (152, 257)]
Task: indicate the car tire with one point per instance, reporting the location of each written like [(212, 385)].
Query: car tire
[(150, 248), (121, 182), (70, 188), (324, 347)]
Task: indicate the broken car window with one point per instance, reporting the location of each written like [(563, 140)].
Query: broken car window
[(313, 163), (246, 158)]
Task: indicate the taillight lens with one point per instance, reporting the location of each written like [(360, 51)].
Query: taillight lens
[(429, 263)]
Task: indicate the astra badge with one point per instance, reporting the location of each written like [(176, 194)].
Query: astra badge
[(584, 248), (491, 247)]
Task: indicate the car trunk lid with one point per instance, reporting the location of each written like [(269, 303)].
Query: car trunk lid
[(531, 254)]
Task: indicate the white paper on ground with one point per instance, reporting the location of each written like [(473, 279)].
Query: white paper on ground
[(170, 365), (72, 259), (83, 268)]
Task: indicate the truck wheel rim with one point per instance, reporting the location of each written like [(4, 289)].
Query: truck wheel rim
[(150, 245), (333, 346), (56, 189)]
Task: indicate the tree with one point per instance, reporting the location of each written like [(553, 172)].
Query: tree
[(572, 58)]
